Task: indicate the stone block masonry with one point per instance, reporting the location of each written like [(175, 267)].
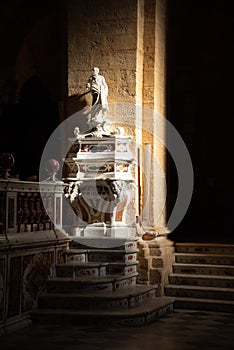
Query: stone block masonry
[(104, 35), (155, 262)]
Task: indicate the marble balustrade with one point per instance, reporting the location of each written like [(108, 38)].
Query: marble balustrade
[(32, 242)]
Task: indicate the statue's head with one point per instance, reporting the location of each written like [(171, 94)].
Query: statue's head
[(95, 71)]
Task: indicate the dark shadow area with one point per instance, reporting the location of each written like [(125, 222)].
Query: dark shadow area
[(27, 126), (200, 106)]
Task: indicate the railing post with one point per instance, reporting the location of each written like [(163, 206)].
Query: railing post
[(11, 212), (58, 200)]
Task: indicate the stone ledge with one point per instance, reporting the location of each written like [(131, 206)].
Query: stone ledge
[(32, 239)]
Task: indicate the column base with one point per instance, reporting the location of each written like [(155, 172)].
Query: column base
[(155, 256)]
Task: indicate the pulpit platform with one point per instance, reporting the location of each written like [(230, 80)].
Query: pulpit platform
[(97, 285)]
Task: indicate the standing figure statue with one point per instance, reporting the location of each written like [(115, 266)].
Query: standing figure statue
[(99, 90)]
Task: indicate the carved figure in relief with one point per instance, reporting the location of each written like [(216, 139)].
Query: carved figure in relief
[(99, 90)]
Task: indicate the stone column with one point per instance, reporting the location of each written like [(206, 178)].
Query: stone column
[(156, 252), (154, 112)]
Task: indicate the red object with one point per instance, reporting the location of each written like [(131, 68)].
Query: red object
[(52, 166)]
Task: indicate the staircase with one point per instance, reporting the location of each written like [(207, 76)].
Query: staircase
[(203, 277), (97, 286)]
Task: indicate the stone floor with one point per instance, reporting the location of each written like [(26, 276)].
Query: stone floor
[(179, 330)]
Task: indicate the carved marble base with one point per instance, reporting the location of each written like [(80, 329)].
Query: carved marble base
[(105, 231)]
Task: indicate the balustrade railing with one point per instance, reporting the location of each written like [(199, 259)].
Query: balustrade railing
[(30, 206)]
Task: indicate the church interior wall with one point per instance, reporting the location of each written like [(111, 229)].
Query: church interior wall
[(197, 75)]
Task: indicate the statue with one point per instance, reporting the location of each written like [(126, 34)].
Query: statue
[(99, 90), (99, 126)]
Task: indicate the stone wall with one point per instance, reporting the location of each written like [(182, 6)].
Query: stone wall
[(103, 34)]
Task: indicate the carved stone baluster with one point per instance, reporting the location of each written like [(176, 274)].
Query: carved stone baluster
[(43, 212), (25, 212), (38, 216), (32, 211), (19, 212), (50, 211)]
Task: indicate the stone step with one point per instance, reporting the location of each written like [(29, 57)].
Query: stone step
[(125, 298), (76, 269), (127, 244), (89, 284), (199, 292), (145, 313), (202, 280), (206, 248), (121, 269), (204, 304), (204, 269), (216, 259), (120, 256), (78, 255)]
